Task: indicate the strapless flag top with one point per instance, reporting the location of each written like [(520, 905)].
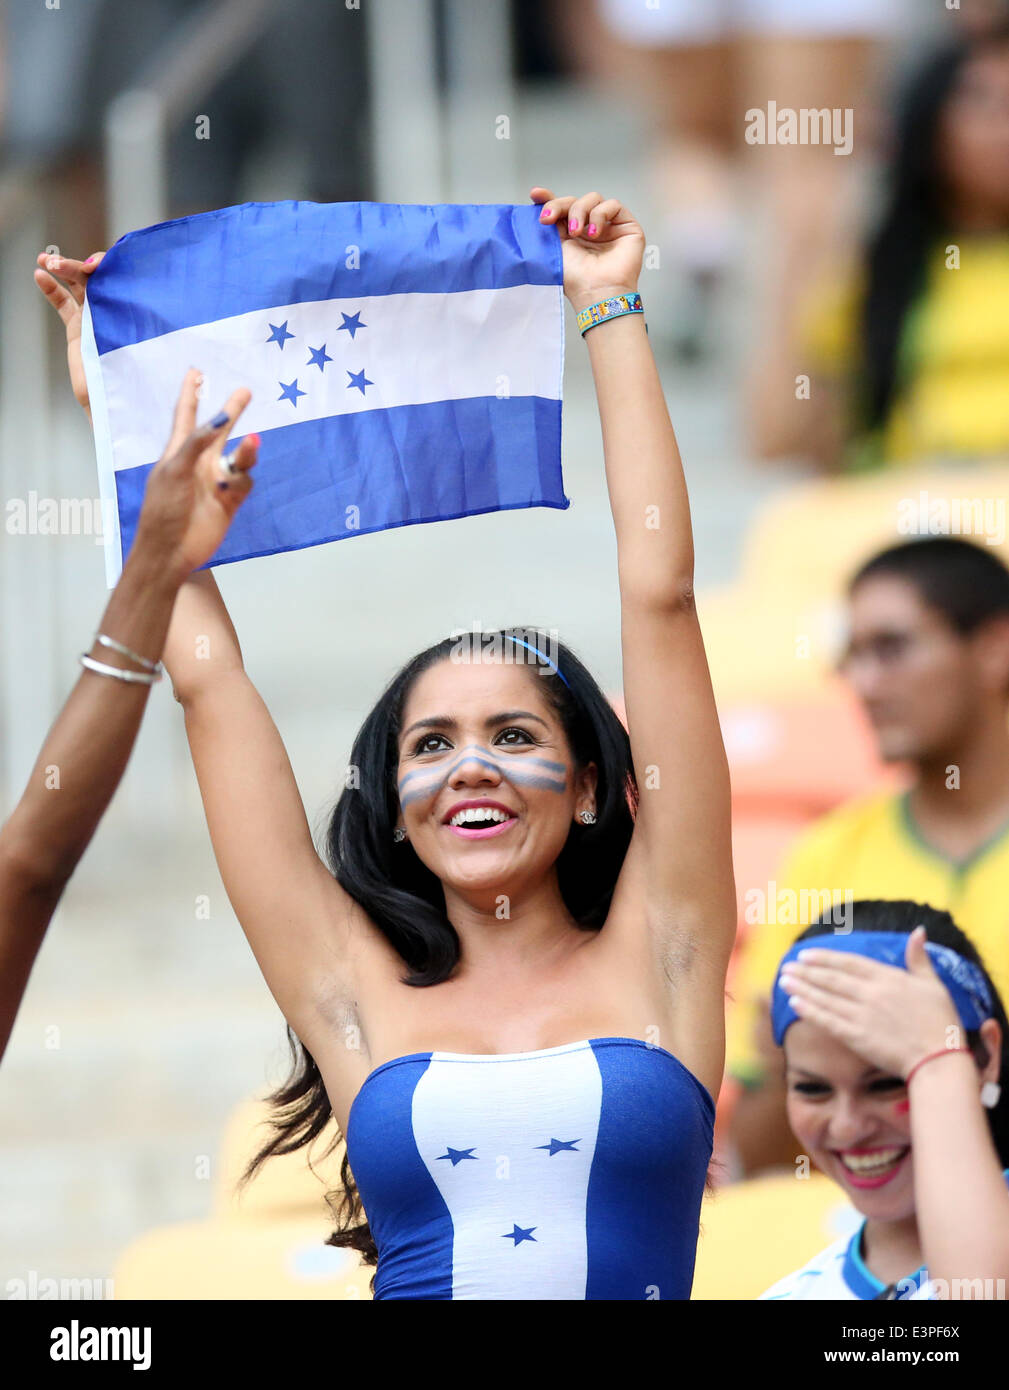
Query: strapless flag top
[(574, 1172)]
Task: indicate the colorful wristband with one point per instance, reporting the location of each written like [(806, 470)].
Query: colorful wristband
[(613, 308)]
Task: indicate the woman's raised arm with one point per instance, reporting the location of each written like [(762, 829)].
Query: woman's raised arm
[(297, 918), (678, 874), (295, 914), (181, 524)]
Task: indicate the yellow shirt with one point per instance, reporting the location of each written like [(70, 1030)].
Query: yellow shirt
[(952, 403), (868, 848)]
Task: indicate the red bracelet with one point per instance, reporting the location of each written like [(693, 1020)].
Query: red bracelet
[(930, 1057)]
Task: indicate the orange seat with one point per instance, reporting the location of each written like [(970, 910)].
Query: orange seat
[(800, 757)]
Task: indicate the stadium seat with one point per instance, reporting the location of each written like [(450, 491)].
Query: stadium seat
[(776, 630), (799, 756), (755, 1232), (268, 1258), (265, 1242)]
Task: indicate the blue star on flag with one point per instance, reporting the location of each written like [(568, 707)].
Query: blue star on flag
[(279, 334), (359, 380), (556, 1145), (351, 322), (318, 358), (290, 392), (518, 1235), (457, 1155)]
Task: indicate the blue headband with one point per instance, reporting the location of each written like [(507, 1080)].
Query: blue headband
[(966, 983), (552, 664)]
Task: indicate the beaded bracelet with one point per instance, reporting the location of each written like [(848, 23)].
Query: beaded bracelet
[(614, 308)]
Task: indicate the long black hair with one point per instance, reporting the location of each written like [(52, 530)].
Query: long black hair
[(903, 916), (405, 900), (914, 217)]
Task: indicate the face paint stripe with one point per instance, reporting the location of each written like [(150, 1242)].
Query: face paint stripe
[(422, 793), (547, 764)]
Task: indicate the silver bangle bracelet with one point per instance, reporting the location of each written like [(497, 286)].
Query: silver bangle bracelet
[(136, 677), (115, 646)]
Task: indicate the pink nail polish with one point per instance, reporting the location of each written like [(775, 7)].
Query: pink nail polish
[(544, 214), (592, 229), (89, 260), (572, 224)]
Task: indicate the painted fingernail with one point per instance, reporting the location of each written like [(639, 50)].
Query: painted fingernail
[(219, 420), (90, 259), (222, 486), (592, 229), (572, 224), (255, 440), (544, 214)]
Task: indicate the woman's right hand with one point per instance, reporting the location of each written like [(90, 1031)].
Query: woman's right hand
[(68, 301)]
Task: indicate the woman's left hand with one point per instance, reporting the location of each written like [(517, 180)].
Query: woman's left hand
[(602, 245), (891, 1017), (190, 501)]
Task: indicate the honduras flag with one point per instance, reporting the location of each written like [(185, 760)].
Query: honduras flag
[(404, 361)]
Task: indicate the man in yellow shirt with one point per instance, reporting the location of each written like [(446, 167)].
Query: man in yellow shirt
[(928, 657)]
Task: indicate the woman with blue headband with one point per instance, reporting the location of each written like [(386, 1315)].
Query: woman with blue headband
[(894, 1042), (507, 984)]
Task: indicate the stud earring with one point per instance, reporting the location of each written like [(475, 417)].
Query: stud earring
[(587, 817), (399, 834), (991, 1092)]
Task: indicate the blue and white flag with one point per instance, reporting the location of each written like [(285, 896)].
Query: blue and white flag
[(405, 363)]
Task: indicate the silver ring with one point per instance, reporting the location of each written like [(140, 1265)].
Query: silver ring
[(226, 466)]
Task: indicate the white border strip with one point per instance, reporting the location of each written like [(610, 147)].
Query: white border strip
[(111, 533)]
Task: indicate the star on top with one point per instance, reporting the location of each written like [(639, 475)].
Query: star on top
[(351, 322), (457, 1155), (279, 334), (557, 1145)]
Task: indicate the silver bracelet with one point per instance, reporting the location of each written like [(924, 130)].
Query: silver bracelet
[(138, 677), (115, 646)]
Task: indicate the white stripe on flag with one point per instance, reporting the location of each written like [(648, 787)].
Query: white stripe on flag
[(415, 348)]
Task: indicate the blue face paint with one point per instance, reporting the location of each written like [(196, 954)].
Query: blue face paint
[(542, 774)]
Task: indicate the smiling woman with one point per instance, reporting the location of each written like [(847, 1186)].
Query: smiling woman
[(895, 1040), (582, 928), (507, 985)]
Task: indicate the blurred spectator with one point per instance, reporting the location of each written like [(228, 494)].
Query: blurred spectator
[(929, 660), (700, 69), (907, 349)]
